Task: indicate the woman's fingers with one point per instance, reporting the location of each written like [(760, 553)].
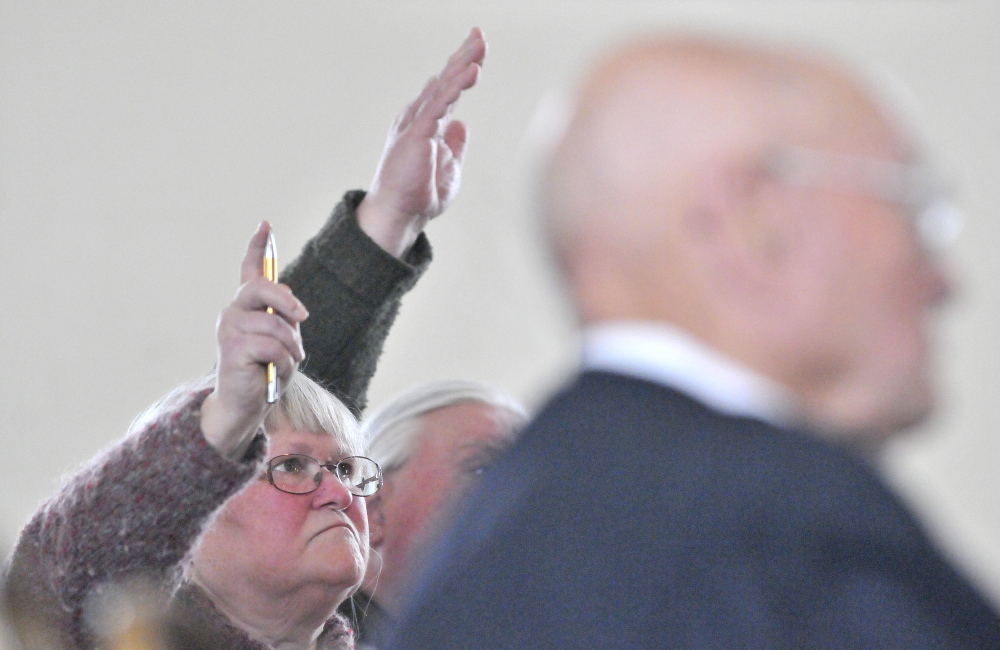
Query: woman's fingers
[(232, 414), (258, 294), (253, 261), (456, 136), (247, 352), (235, 322), (426, 121), (245, 327), (472, 52), (406, 117), (260, 326)]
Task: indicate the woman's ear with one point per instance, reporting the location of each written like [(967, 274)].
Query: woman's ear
[(376, 518)]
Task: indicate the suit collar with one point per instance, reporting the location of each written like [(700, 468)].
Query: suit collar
[(671, 357)]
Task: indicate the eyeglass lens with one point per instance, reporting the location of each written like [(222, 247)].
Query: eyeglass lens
[(301, 474), (936, 218)]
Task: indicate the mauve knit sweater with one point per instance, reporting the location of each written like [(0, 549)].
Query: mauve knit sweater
[(137, 509)]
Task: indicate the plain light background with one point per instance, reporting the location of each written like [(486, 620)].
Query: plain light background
[(141, 143)]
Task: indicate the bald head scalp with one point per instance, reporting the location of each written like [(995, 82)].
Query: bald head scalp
[(662, 206), (654, 114), (657, 128)]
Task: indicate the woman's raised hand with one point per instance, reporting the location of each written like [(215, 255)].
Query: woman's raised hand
[(420, 170), (248, 339)]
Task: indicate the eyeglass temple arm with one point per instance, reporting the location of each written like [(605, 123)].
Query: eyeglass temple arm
[(367, 481)]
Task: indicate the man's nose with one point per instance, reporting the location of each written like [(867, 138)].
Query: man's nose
[(939, 285)]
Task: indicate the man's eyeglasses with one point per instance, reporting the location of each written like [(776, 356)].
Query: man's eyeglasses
[(936, 219), (301, 474)]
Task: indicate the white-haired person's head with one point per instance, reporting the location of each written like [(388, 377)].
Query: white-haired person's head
[(432, 441), (392, 430), (304, 406)]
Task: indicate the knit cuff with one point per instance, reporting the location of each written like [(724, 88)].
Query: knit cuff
[(364, 267)]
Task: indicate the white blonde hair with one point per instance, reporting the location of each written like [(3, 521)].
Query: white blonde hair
[(391, 430), (304, 405)]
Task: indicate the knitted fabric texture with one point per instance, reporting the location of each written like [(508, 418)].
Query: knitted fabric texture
[(352, 289), (133, 512), (139, 507)]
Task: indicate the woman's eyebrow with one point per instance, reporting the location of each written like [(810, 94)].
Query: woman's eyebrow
[(305, 449)]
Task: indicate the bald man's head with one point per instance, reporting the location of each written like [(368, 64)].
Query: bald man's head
[(653, 116), (662, 205)]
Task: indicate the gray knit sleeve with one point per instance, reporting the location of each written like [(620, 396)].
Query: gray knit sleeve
[(135, 509), (352, 289)]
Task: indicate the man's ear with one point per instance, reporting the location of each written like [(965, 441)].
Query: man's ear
[(737, 226), (768, 229)]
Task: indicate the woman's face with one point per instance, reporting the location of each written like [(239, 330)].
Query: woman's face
[(283, 543)]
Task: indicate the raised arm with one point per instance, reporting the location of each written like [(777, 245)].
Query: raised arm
[(353, 273), (137, 509)]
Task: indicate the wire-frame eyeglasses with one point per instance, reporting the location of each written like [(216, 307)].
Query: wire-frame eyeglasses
[(301, 474)]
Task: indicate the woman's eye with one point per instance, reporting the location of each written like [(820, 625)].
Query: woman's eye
[(290, 466)]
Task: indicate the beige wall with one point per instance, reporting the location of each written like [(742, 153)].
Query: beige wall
[(141, 142)]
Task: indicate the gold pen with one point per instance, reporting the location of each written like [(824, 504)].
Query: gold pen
[(271, 273)]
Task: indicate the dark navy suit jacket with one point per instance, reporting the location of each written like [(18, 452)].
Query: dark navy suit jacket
[(631, 516)]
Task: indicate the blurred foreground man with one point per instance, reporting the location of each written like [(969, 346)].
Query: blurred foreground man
[(747, 237)]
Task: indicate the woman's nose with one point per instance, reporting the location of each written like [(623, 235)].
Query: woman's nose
[(332, 492)]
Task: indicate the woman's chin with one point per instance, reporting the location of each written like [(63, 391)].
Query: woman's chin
[(341, 557)]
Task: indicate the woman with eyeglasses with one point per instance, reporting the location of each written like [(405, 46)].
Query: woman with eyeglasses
[(246, 523), (249, 519)]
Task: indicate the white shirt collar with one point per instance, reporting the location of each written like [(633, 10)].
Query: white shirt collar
[(670, 356)]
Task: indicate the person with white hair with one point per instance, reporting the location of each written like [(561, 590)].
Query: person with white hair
[(250, 521), (433, 442)]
